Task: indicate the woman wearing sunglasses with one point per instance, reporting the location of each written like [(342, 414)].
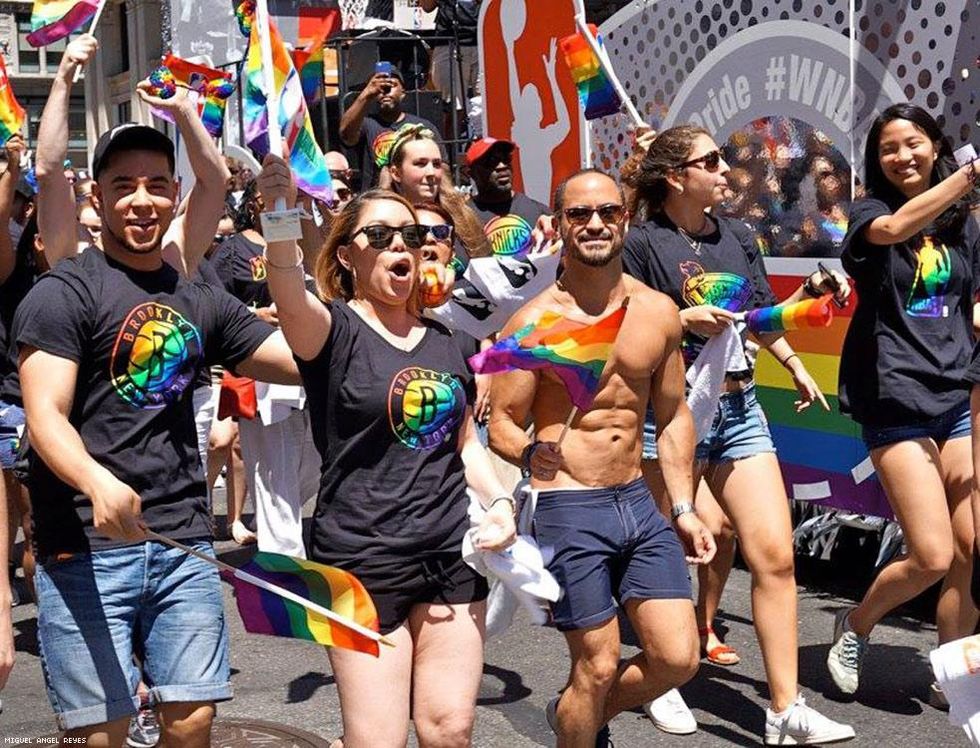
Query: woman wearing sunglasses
[(711, 268), (416, 171), (913, 251), (388, 394)]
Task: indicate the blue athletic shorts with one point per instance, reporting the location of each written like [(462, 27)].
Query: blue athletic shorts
[(608, 543), (739, 430), (952, 424), (95, 610)]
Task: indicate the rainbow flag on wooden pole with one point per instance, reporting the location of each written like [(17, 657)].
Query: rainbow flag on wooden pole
[(52, 20), (11, 112), (279, 595)]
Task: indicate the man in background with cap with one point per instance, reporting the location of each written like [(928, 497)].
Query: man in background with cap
[(109, 346), (509, 217), (368, 132)]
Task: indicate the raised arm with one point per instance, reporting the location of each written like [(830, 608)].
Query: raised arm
[(8, 183), (921, 210), (350, 123), (187, 240), (303, 318), (48, 385), (56, 220)]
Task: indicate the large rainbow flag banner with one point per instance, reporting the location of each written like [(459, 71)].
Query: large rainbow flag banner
[(305, 157), (595, 91), (52, 20), (802, 314), (823, 459), (11, 112), (576, 352), (265, 612)]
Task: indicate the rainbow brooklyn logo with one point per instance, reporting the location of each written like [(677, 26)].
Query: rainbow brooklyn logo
[(424, 407), (155, 356)]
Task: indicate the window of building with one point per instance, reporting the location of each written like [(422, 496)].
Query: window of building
[(124, 112), (77, 141), (28, 58)]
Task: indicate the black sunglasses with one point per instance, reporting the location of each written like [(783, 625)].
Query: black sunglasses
[(580, 215), (380, 236), (344, 175), (441, 232), (711, 161), (341, 195)]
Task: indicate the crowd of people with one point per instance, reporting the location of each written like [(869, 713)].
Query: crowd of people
[(336, 377)]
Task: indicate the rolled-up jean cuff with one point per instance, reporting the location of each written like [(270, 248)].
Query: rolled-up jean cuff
[(98, 714), (190, 692)]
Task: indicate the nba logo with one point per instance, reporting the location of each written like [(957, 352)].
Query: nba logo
[(528, 93)]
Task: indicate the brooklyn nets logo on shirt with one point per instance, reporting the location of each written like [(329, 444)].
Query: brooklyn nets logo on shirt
[(424, 407), (155, 356)]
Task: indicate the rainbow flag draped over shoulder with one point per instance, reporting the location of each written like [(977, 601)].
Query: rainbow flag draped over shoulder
[(305, 157), (595, 90), (52, 20), (265, 612), (11, 112), (576, 352), (806, 313)]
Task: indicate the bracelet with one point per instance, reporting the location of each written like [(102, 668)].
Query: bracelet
[(508, 499), (973, 175), (685, 507), (785, 360), (271, 264), (810, 290), (527, 453)]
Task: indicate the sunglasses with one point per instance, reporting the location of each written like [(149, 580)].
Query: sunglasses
[(711, 161), (344, 175), (580, 215), (341, 195), (379, 236), (441, 232)]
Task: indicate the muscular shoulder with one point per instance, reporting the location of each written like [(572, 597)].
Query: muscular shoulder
[(657, 310), (528, 313)]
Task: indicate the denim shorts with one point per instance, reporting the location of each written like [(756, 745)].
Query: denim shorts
[(96, 610), (739, 430), (608, 543), (952, 424), (11, 431)]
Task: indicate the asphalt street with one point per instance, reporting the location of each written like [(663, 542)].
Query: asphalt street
[(289, 682)]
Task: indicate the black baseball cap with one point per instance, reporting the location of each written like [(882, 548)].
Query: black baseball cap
[(130, 136)]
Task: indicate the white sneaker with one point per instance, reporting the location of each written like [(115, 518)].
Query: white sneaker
[(846, 654), (670, 714), (803, 725)]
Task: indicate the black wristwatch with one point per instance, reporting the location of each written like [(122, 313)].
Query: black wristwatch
[(811, 290)]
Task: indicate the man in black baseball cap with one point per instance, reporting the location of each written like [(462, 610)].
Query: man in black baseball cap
[(130, 136)]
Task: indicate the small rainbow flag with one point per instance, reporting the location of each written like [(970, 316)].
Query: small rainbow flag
[(212, 87), (309, 61), (11, 112), (595, 90), (305, 157), (576, 352), (806, 313), (52, 20), (265, 611)]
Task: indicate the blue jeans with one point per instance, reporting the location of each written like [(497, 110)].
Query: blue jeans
[(11, 431), (952, 424), (608, 543), (739, 430), (96, 610)]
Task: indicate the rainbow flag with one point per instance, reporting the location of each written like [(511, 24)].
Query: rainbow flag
[(11, 112), (265, 612), (52, 20), (305, 157), (806, 313), (212, 87), (821, 455), (576, 352), (309, 61), (595, 90)]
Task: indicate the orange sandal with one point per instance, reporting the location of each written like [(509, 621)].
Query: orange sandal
[(722, 654)]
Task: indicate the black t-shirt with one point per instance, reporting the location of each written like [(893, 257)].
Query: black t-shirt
[(727, 271), (12, 293), (240, 265), (465, 14), (386, 424), (911, 338), (508, 224), (139, 339), (376, 140)]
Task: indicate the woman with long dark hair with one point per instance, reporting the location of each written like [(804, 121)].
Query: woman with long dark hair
[(389, 396), (913, 253), (711, 267)]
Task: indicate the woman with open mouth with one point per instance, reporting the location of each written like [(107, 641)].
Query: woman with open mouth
[(390, 398)]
